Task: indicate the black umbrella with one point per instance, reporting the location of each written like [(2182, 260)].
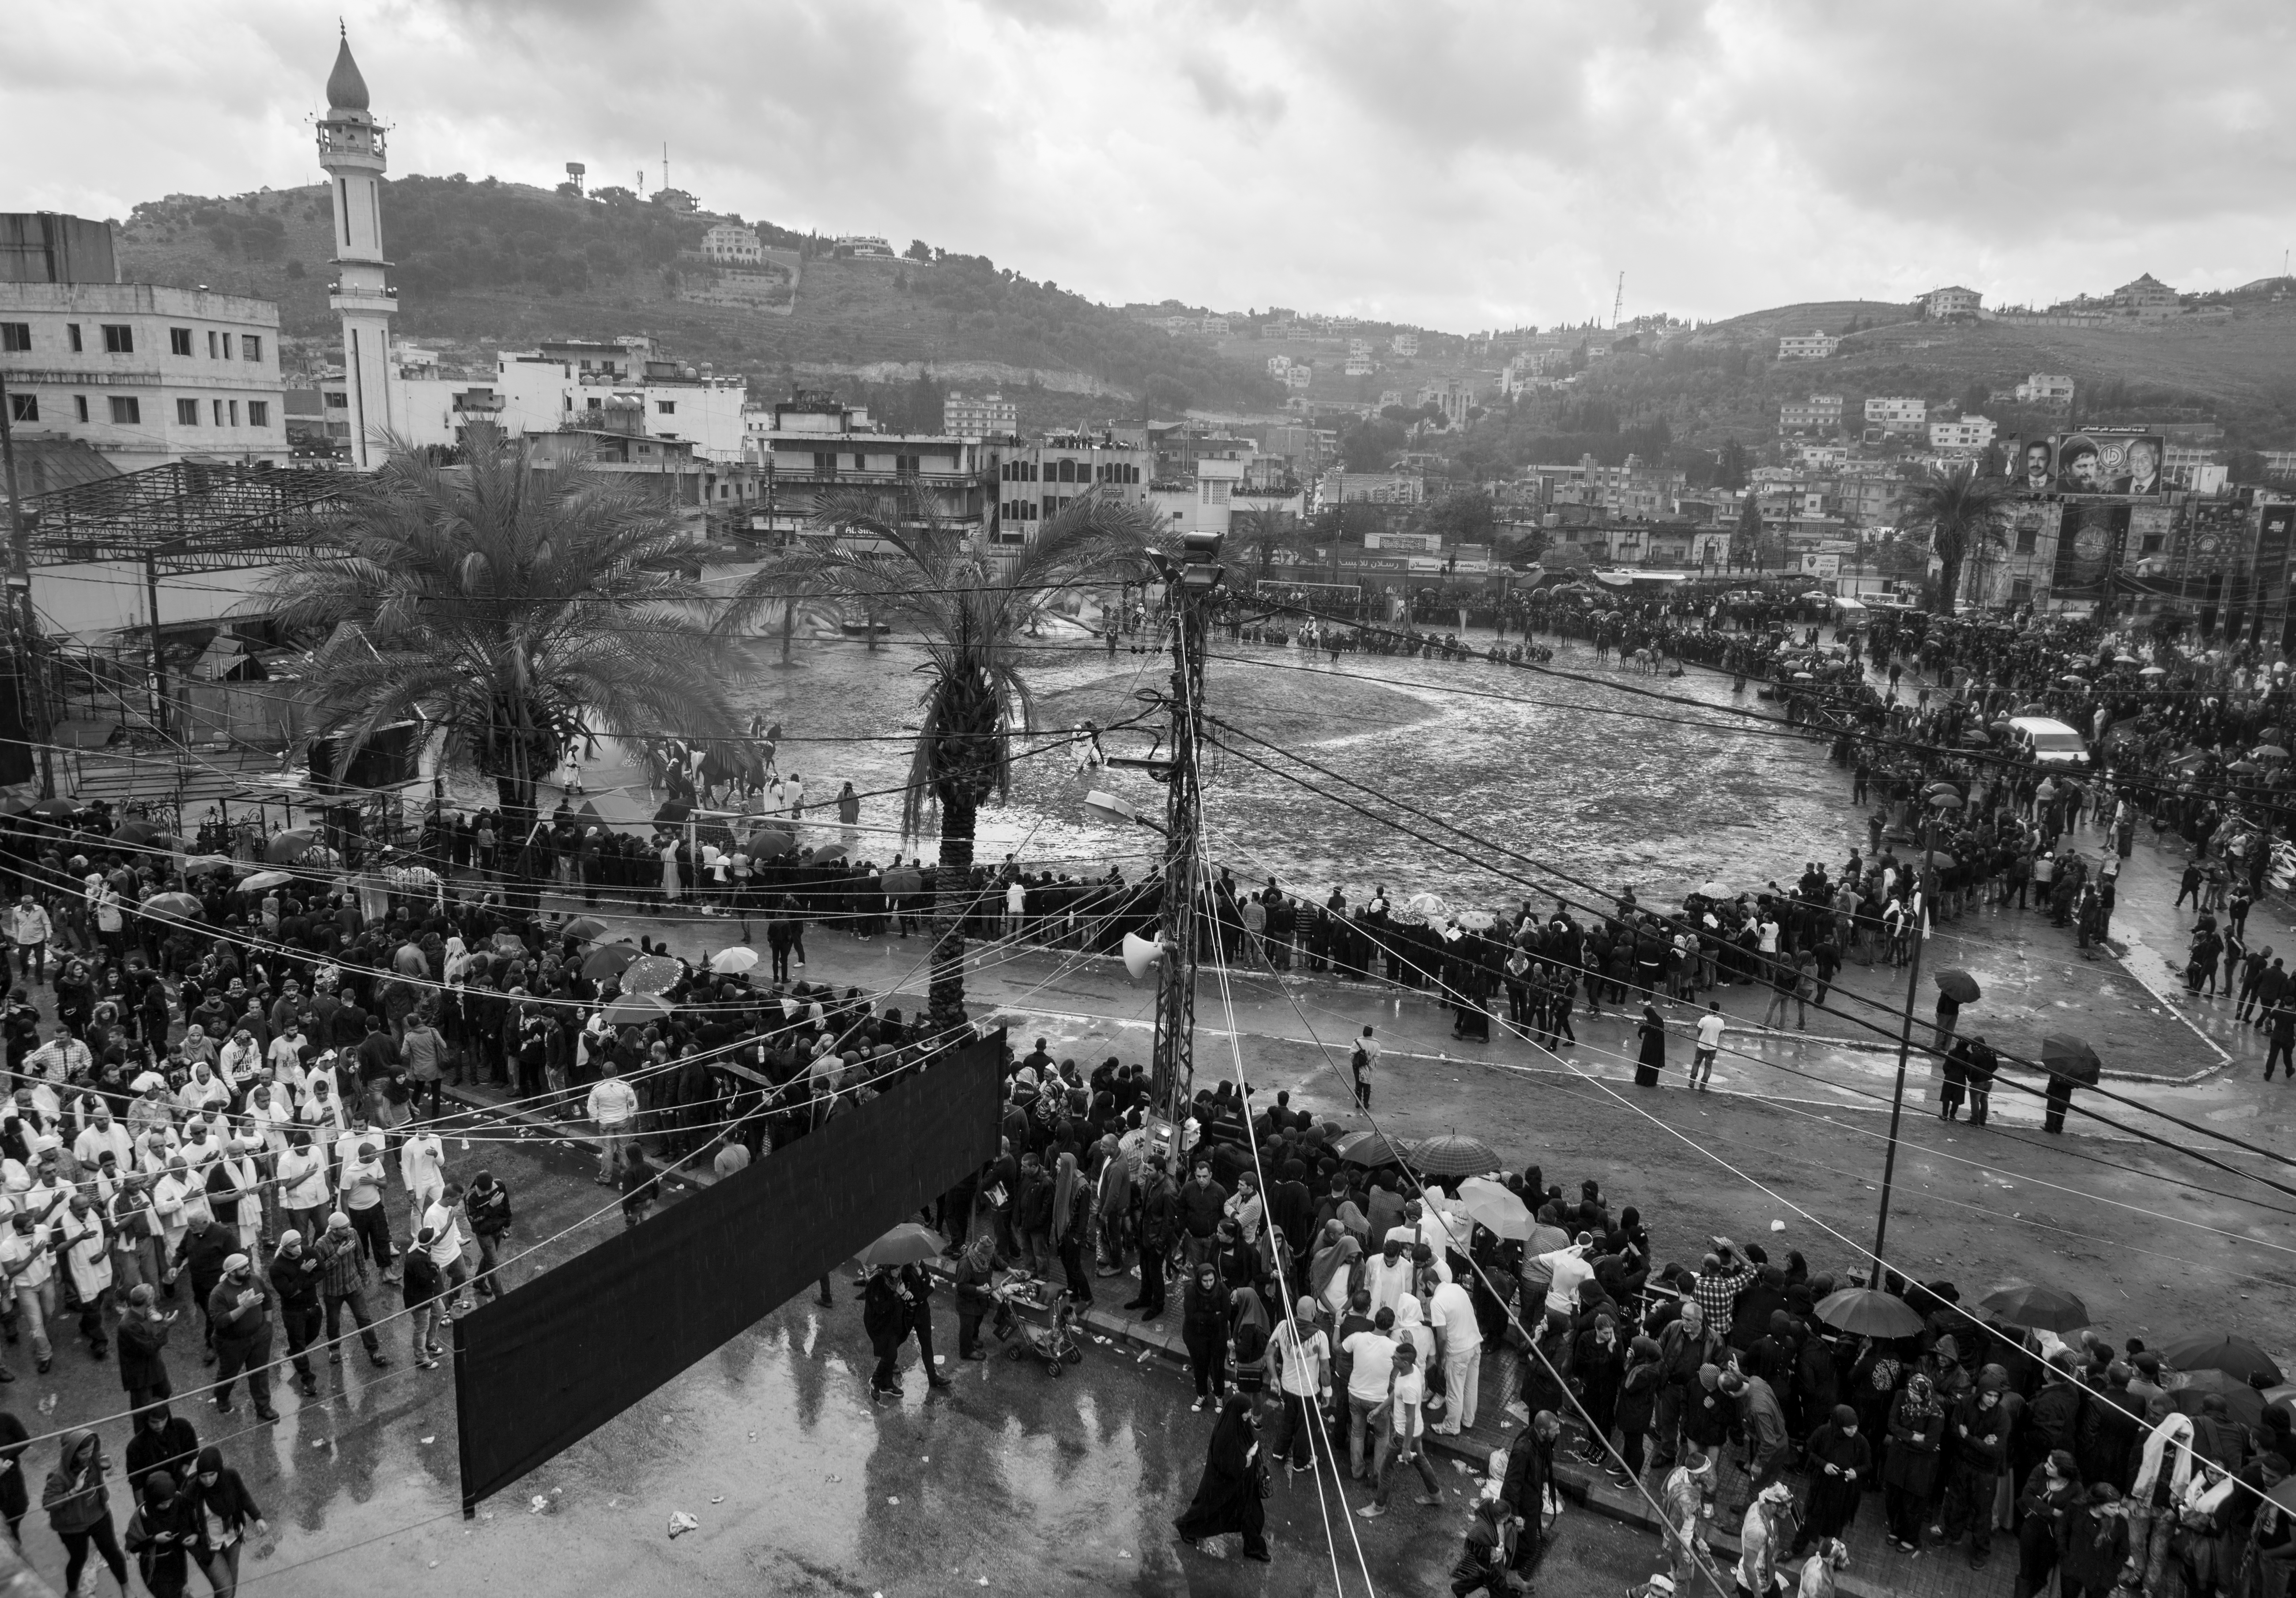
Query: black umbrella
[(2070, 1058), (609, 960), (2042, 1309), (2245, 1403), (1959, 985), (1367, 1149), (1866, 1312), (672, 812), (1453, 1154), (2233, 1355)]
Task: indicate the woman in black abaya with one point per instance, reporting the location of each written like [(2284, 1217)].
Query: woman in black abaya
[(1651, 1059), (1227, 1497)]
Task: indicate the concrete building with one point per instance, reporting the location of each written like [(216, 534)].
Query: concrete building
[(862, 247), (1036, 480), (2146, 297), (1406, 344), (1359, 366), (1202, 501), (1967, 435), (1806, 347), (1820, 413), (1452, 398), (733, 244), (2043, 388), (979, 415), (142, 374), (571, 382), (1299, 375), (812, 443), (1278, 365), (1956, 301), (1370, 487), (1896, 416)]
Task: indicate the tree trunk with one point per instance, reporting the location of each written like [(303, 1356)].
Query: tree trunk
[(789, 627), (1948, 581), (953, 899)]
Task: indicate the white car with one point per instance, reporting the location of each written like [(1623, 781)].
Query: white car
[(2051, 742)]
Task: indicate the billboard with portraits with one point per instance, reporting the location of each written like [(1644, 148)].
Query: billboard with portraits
[(2107, 460)]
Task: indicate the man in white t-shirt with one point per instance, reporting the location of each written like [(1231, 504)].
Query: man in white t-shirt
[(1406, 1426), (1570, 1268), (1710, 1039), (1302, 1357), (1374, 1354), (1451, 1312), (1388, 1275), (446, 1253)]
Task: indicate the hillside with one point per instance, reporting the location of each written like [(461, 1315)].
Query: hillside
[(485, 264)]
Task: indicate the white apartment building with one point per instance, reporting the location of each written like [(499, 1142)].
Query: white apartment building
[(1278, 365), (1359, 366), (143, 373), (574, 383), (1898, 416), (1953, 301), (2043, 388), (1806, 347), (1452, 398), (734, 244), (1406, 344), (1818, 413), (1299, 376), (1202, 504), (812, 443), (1359, 347), (1037, 479), (1213, 326), (1969, 434), (979, 415)]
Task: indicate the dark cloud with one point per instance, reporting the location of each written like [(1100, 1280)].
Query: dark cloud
[(1457, 162)]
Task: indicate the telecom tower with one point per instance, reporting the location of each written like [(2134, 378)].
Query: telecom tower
[(351, 150)]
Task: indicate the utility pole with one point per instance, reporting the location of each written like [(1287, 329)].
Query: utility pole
[(1191, 580), (1619, 303), (23, 620), (1935, 798)]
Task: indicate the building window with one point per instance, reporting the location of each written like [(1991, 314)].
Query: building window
[(916, 463), (218, 404), (227, 346), (234, 413), (79, 405), (338, 401), (2027, 539), (72, 335), (179, 341), (127, 410), (665, 408), (118, 339), (250, 346), (23, 407), (259, 413), (187, 412), (15, 335), (860, 461), (211, 346), (825, 463)]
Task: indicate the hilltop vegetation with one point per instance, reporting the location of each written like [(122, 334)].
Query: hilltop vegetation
[(486, 262)]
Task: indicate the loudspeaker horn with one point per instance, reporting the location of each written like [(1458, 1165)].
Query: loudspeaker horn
[(1140, 953)]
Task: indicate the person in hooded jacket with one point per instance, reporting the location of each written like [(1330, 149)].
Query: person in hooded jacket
[(163, 1534), (1839, 1460), (1909, 1468), (79, 1508), (2095, 1543), (223, 1509)]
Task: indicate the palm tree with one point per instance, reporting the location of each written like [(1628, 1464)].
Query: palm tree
[(970, 606), (1964, 513), (518, 606), (1257, 536)]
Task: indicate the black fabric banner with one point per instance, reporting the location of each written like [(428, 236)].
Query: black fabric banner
[(543, 1366)]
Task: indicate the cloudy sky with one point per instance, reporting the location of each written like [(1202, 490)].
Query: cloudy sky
[(1457, 165)]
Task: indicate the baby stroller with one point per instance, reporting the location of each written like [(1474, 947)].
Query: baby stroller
[(1053, 1343)]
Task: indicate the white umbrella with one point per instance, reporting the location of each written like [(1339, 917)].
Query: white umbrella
[(730, 962), (1427, 906)]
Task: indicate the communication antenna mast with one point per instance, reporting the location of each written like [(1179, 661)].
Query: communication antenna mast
[(665, 163), (1619, 304)]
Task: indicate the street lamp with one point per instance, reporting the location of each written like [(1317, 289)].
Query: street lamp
[(1938, 800)]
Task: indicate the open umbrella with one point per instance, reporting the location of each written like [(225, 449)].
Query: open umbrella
[(55, 808), (651, 974), (1959, 985), (1493, 1207), (199, 866), (609, 960), (2033, 711), (732, 962), (672, 813), (2284, 1496), (2267, 751), (181, 905), (2042, 1309), (635, 1010), (2213, 1351), (1453, 1154), (1976, 735), (2153, 671), (770, 841), (2283, 1399), (510, 943), (907, 1243), (2245, 1403), (285, 848), (131, 833), (583, 928), (1940, 860), (1366, 1149), (2071, 1058), (13, 806), (1715, 889), (264, 881), (1803, 676), (2245, 767), (827, 851), (1428, 907), (1866, 1312)]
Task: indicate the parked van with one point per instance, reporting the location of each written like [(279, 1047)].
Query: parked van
[(2050, 743)]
